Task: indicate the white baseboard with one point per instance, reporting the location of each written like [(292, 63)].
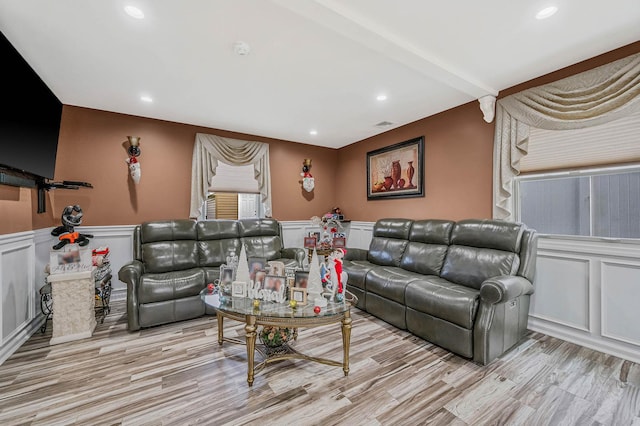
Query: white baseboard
[(597, 343), (18, 339)]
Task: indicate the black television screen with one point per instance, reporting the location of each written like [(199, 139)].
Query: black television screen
[(30, 118)]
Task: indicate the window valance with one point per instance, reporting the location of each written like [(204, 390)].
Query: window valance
[(209, 149), (587, 99)]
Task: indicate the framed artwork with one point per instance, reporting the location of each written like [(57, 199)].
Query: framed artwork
[(310, 242), (316, 235), (275, 267), (299, 295), (258, 279), (239, 289), (339, 242), (301, 279), (256, 264), (396, 171), (274, 283)]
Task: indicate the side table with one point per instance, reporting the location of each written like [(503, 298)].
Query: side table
[(73, 297)]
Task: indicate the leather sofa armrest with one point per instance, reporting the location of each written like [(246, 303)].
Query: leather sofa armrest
[(131, 274), (356, 254), (298, 254), (504, 288)]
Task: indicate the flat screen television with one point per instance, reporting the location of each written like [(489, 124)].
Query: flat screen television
[(30, 117)]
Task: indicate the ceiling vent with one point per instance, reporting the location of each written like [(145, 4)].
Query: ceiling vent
[(384, 124)]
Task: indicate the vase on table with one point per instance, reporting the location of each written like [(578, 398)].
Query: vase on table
[(410, 172)]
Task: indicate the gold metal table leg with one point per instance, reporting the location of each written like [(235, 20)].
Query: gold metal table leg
[(220, 328), (250, 330), (346, 341)]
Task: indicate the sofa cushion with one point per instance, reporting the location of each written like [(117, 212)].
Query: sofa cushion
[(423, 258), (356, 272), (431, 231), (393, 228), (258, 227), (390, 282), (216, 240), (386, 251), (168, 230), (493, 234), (470, 266), (171, 285), (443, 299), (164, 256)]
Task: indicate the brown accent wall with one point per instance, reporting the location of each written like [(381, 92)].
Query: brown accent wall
[(458, 172), (92, 149)]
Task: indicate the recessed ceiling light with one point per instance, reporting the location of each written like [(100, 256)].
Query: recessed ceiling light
[(134, 12), (546, 12), (145, 98), (313, 132), (381, 97)]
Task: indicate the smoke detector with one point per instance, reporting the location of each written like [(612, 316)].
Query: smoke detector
[(384, 124), (241, 48)]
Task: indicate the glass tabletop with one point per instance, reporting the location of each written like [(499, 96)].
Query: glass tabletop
[(244, 306)]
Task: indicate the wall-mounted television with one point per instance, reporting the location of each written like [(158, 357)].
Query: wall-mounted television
[(29, 121)]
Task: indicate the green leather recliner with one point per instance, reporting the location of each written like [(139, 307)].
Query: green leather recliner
[(175, 259)]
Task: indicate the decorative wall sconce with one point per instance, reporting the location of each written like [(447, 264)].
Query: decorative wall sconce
[(307, 180), (132, 161)]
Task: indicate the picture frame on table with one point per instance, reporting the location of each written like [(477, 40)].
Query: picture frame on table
[(301, 279), (299, 295), (310, 242), (339, 242), (256, 264), (396, 171), (227, 274), (275, 283), (239, 289)]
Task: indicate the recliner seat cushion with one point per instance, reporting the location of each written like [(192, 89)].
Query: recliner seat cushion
[(171, 285), (390, 237), (443, 299), (390, 282)]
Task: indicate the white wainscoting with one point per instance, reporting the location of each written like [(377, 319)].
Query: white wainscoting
[(23, 258), (588, 292), (18, 319)]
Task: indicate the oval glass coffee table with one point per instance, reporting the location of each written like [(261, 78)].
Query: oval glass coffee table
[(279, 315)]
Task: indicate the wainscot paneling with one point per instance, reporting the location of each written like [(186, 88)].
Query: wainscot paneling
[(18, 316), (620, 315), (565, 297), (23, 260), (587, 292)]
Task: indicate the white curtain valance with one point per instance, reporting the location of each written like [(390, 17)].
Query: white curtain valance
[(587, 99), (209, 149)]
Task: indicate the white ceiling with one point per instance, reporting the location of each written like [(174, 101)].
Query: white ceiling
[(314, 64)]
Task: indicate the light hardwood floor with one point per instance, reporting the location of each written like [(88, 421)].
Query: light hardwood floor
[(178, 374)]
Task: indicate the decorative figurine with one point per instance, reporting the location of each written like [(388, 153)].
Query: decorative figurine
[(307, 179), (71, 217)]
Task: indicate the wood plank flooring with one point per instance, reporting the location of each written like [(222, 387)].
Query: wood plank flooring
[(178, 375)]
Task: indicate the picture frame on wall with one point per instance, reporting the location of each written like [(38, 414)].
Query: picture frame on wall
[(396, 171)]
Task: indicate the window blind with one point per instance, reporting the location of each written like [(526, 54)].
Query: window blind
[(234, 179), (226, 205), (611, 143)]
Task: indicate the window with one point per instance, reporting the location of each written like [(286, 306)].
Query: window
[(602, 202), (232, 205)]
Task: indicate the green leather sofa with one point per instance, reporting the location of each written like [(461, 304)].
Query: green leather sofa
[(175, 259), (464, 286)]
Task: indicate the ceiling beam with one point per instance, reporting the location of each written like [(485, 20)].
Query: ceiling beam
[(349, 23)]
